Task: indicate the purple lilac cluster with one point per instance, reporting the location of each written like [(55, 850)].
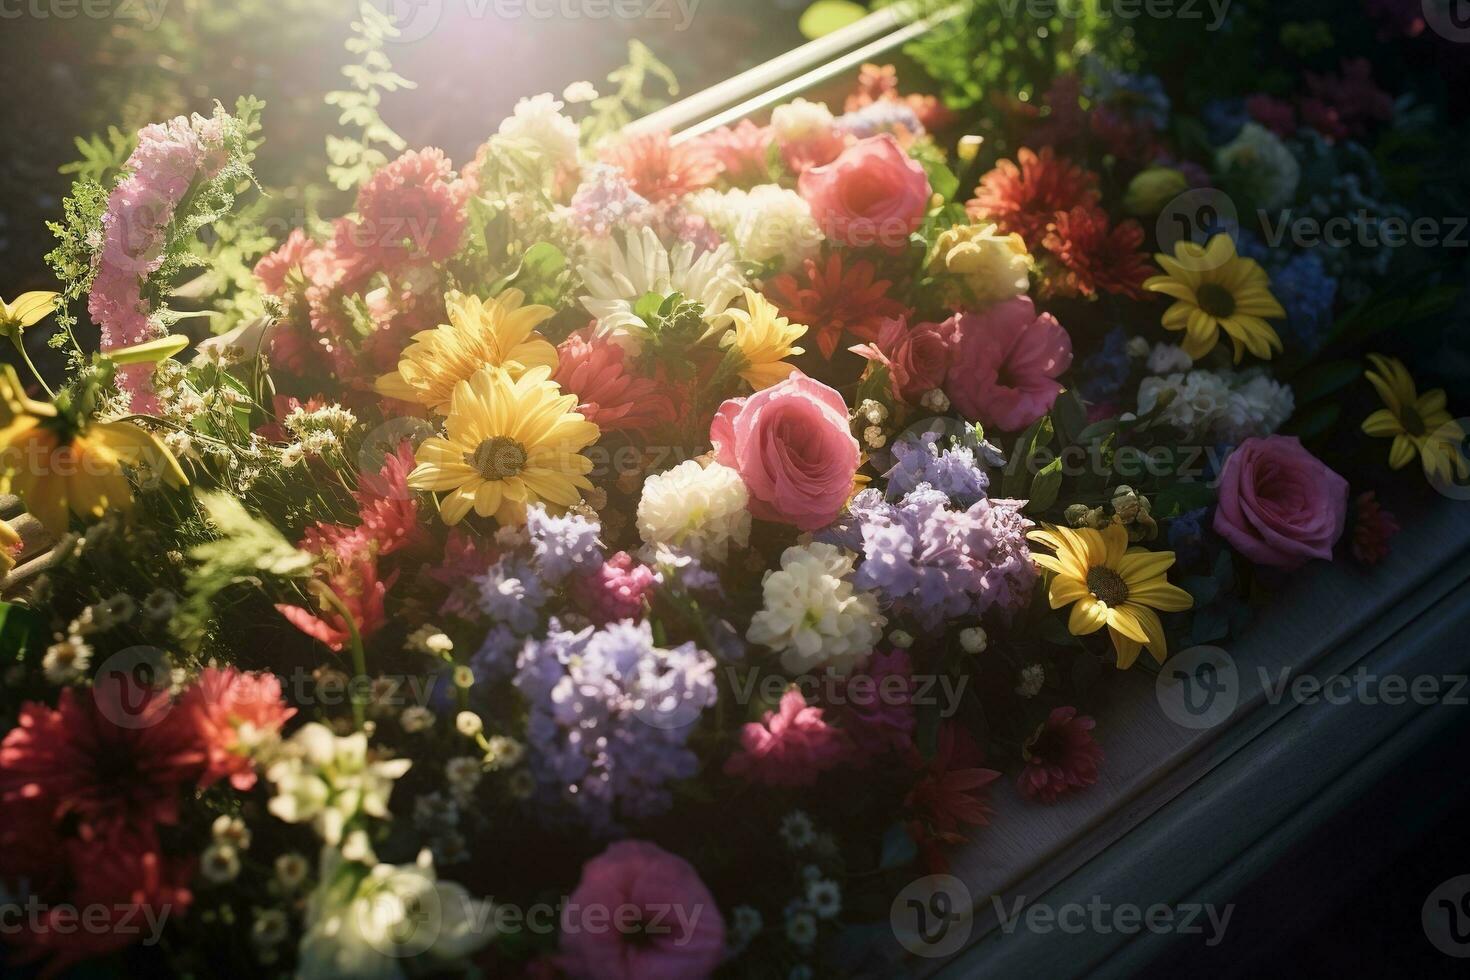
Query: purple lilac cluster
[(563, 544), (882, 116), (954, 471), (610, 716), (932, 562)]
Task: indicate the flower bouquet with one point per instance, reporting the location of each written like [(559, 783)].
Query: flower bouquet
[(643, 554)]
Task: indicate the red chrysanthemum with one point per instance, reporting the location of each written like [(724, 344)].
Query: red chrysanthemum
[(741, 151), (234, 712), (659, 170), (1095, 257), (830, 300), (1060, 757), (1373, 530), (1024, 199), (608, 394), (112, 758), (951, 794), (347, 563), (413, 209)]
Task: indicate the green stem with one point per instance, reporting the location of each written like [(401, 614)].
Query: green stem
[(25, 356)]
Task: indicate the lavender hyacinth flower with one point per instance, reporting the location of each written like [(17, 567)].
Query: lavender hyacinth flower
[(610, 715), (563, 545), (934, 563), (953, 471)]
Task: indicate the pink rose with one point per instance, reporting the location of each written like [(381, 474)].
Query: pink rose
[(1006, 364), (640, 913), (1279, 504), (792, 446), (917, 357), (873, 194)]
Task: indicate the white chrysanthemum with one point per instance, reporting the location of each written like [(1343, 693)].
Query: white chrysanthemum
[(764, 224), (698, 509), (1258, 160), (539, 120), (812, 616), (800, 119), (1168, 359), (1200, 399), (616, 278), (1258, 407)]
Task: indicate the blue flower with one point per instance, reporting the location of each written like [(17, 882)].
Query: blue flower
[(511, 593), (1307, 293), (1105, 372), (563, 545), (1223, 119)]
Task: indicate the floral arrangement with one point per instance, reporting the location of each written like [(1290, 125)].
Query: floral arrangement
[(687, 538)]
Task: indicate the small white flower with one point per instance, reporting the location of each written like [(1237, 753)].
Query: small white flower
[(935, 400), (504, 752), (579, 92), (1168, 359), (231, 830), (825, 898), (269, 928), (1032, 678), (698, 509), (1137, 347), (539, 120), (416, 719), (812, 615), (874, 437), (801, 927), (220, 863), (428, 639), (901, 639), (797, 830), (873, 411), (468, 724), (159, 605), (974, 639), (67, 660), (291, 870), (800, 119)]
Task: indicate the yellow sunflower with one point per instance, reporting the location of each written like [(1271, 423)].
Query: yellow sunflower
[(764, 338), (509, 442), (1418, 424), (1214, 289), (1110, 584), (499, 332), (60, 466)]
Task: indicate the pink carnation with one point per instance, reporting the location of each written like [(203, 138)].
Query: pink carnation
[(874, 194), (790, 747), (233, 712), (411, 209), (614, 592), (792, 446), (608, 393), (1006, 366), (641, 913)]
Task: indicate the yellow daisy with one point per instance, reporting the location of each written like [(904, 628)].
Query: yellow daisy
[(59, 466), (25, 310), (1110, 584), (1214, 289), (764, 339), (508, 442), (1418, 424), (499, 332)]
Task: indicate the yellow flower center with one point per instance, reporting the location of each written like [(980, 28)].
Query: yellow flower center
[(1215, 300), (1107, 585), (497, 458)]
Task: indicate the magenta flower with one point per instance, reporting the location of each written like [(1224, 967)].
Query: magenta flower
[(1279, 504), (1060, 757), (790, 747), (640, 913), (1006, 364)]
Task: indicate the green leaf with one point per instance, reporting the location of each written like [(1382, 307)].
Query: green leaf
[(18, 627), (1045, 487), (826, 16), (1017, 476), (1182, 497), (1321, 380), (1316, 420)]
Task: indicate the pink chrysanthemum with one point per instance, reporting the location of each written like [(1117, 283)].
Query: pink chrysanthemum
[(608, 394), (112, 758), (387, 507), (347, 563), (659, 170), (1095, 257), (1060, 757), (789, 747), (741, 151), (614, 592), (234, 712), (1024, 199)]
